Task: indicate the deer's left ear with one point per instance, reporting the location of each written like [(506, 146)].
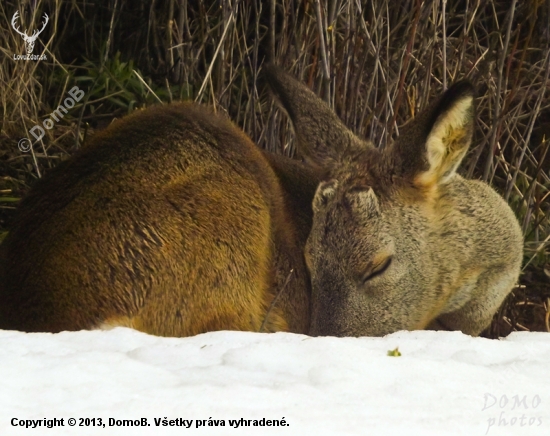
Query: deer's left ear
[(434, 144)]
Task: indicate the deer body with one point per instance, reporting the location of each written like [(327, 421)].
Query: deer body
[(481, 257), (172, 222)]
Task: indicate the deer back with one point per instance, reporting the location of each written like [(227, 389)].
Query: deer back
[(171, 221)]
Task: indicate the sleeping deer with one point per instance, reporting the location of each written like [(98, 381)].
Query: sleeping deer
[(172, 222)]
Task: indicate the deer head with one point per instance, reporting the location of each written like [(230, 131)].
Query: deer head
[(398, 236), (29, 40)]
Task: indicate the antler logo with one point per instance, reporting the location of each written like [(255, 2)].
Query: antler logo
[(29, 40)]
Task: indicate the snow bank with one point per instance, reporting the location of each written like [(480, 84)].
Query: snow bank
[(444, 383)]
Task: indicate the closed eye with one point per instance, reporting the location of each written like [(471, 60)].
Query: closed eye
[(378, 269)]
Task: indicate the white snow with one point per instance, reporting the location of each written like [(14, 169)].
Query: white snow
[(444, 383)]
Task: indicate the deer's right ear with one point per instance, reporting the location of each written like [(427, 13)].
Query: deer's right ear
[(322, 137)]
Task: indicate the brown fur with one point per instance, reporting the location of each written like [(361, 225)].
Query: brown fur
[(452, 247), (171, 221)]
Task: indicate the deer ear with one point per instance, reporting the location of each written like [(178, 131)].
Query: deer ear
[(322, 137), (432, 147)]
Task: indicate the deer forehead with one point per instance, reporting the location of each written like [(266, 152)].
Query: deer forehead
[(347, 198), (356, 204)]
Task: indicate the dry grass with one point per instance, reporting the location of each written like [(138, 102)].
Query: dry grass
[(377, 63)]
